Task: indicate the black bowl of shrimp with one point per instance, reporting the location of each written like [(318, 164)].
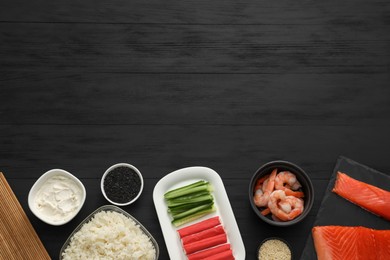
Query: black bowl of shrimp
[(281, 193)]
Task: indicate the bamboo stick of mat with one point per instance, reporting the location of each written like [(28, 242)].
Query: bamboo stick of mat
[(18, 239)]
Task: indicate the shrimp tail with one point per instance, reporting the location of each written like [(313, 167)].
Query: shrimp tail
[(297, 194), (265, 212), (259, 182)]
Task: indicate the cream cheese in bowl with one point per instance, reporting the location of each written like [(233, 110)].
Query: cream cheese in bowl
[(56, 197)]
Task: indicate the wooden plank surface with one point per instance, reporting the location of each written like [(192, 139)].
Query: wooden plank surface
[(155, 48), (198, 12), (165, 85), (197, 99), (158, 150)]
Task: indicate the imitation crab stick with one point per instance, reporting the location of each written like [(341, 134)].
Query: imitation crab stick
[(208, 252), (203, 234), (225, 255), (367, 196), (205, 243), (199, 226)]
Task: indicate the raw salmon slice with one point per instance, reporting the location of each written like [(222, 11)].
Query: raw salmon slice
[(367, 196), (351, 243)]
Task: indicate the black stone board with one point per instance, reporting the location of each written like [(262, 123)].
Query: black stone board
[(335, 210)]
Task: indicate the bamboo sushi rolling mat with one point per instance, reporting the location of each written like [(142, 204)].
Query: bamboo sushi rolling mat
[(18, 239)]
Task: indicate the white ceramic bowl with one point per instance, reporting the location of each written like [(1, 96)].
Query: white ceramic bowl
[(112, 168), (35, 189)]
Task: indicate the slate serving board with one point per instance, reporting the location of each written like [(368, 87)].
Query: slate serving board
[(335, 210)]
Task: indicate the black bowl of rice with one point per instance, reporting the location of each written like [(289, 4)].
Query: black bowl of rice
[(274, 248), (110, 233)]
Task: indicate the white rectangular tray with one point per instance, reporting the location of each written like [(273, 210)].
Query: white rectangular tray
[(223, 209)]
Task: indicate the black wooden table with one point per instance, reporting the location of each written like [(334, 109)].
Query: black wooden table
[(169, 84)]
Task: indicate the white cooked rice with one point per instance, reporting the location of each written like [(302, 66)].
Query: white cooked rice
[(110, 235)]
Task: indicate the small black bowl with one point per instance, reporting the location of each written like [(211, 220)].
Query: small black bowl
[(274, 238), (303, 178)]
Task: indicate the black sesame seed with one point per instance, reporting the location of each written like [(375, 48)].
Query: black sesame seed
[(122, 184)]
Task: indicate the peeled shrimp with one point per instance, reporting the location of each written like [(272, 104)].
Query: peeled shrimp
[(261, 196), (288, 182), (259, 183), (284, 207)]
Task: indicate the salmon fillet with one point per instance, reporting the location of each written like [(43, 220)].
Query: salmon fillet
[(367, 196), (351, 243)]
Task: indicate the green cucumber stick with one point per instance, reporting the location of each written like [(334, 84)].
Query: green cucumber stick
[(189, 200), (193, 211), (190, 196), (185, 191), (199, 214), (185, 207)]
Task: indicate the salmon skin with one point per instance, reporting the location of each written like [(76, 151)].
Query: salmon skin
[(351, 243), (367, 196)]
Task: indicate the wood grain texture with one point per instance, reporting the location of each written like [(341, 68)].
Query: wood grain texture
[(18, 239), (198, 12), (170, 84), (157, 150), (154, 48), (171, 99)]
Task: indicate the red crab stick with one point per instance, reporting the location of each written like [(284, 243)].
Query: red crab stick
[(208, 252), (200, 226), (203, 234), (225, 255), (205, 243)]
